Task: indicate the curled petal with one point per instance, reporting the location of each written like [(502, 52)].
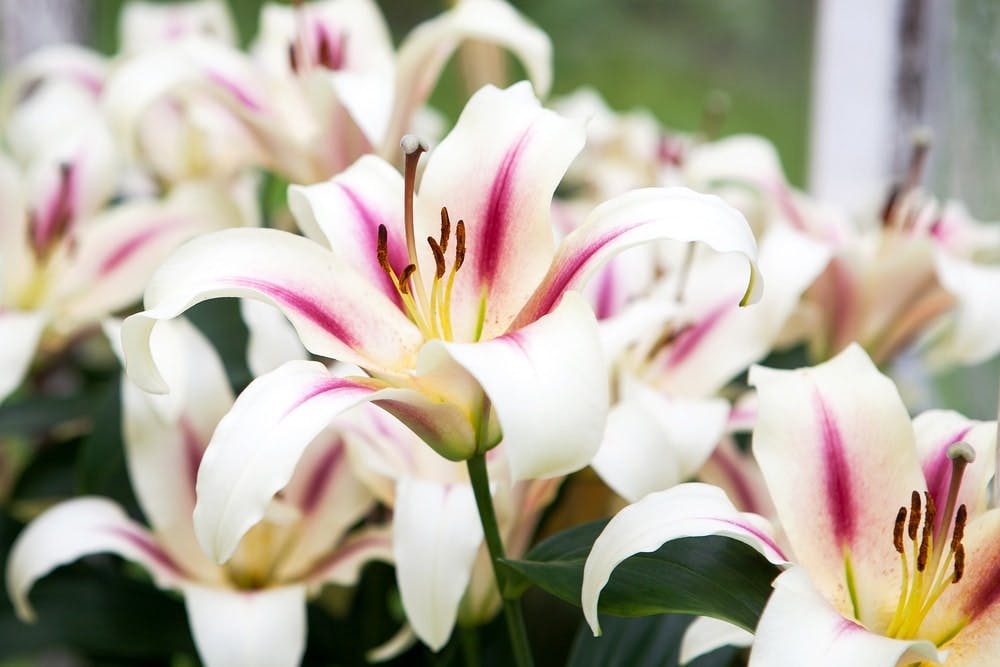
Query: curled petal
[(706, 634), (271, 340), (257, 445), (800, 627), (970, 335), (77, 528), (146, 24), (233, 628), (642, 216), (333, 309), (436, 536), (426, 49), (343, 566), (687, 510), (548, 386), (20, 333)]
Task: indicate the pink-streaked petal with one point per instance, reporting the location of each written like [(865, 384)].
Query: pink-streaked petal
[(333, 309), (17, 263), (345, 213), (836, 448), (20, 333), (497, 170), (936, 431), (343, 565), (646, 427), (77, 528), (705, 635), (736, 473), (548, 387), (257, 445), (687, 510), (436, 536), (723, 339), (642, 216), (329, 496), (800, 627), (165, 436), (425, 50), (146, 24), (56, 61), (116, 253), (258, 628)]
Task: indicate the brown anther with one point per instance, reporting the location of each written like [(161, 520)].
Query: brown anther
[(930, 512), (914, 524), (897, 530), (383, 249), (890, 204), (404, 278), (445, 229), (924, 550), (293, 57), (961, 516), (459, 244), (438, 256), (959, 564)]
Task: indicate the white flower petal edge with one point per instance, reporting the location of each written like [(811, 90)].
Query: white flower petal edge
[(800, 627), (687, 510), (257, 445), (77, 528), (20, 333), (970, 335), (705, 635), (436, 536), (265, 628), (548, 386), (271, 340)]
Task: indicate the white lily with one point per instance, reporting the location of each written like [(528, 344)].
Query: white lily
[(252, 610), (474, 338)]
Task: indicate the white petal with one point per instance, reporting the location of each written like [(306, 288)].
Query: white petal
[(77, 528), (436, 535), (800, 627), (145, 24), (706, 634), (20, 333), (971, 335), (271, 340), (232, 628), (548, 385), (687, 510), (257, 445)]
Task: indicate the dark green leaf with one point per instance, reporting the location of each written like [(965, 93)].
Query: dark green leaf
[(707, 576)]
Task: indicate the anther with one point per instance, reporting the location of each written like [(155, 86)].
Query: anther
[(930, 512), (293, 57), (959, 532), (959, 564), (438, 257), (921, 142), (459, 245), (404, 278), (914, 524), (923, 552), (897, 530), (445, 229)]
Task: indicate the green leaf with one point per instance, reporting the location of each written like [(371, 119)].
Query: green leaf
[(653, 641), (705, 576)]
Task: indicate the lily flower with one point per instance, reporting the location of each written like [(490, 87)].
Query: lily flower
[(895, 549), (322, 88), (472, 337), (68, 255), (252, 610), (442, 564)]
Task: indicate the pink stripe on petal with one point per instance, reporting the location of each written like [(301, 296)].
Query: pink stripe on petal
[(763, 537), (193, 450), (322, 473), (745, 499), (302, 304), (121, 253), (148, 547), (691, 337), (840, 502), (605, 300), (985, 592), (324, 387), (496, 222), (370, 220), (234, 89)]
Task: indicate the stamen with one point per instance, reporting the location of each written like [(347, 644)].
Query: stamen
[(960, 518), (897, 530), (438, 253), (927, 536), (404, 278), (383, 250), (959, 564), (445, 229), (459, 258), (918, 157), (914, 524), (459, 245), (293, 58)]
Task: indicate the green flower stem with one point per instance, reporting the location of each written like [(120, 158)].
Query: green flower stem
[(511, 608)]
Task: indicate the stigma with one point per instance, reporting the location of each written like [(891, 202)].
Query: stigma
[(931, 561)]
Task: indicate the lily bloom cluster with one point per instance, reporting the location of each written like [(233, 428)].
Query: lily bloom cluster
[(439, 335)]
